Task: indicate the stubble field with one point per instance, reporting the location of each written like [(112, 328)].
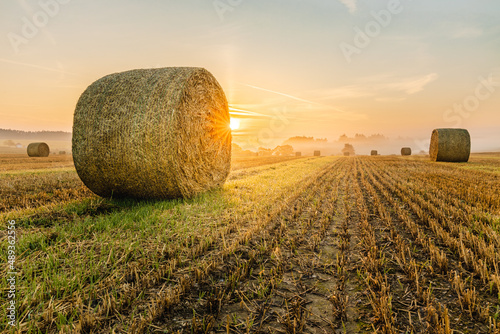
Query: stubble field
[(312, 245)]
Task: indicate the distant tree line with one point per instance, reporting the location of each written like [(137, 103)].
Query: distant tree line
[(308, 144), (361, 137), (278, 151), (304, 140), (35, 135)]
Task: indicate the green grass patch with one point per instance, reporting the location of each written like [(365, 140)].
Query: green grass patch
[(78, 245)]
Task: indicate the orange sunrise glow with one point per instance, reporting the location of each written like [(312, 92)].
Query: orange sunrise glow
[(322, 69)]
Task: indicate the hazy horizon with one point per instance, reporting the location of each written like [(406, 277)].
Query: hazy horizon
[(383, 144), (318, 68)]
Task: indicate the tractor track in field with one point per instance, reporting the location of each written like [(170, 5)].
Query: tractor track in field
[(163, 288), (288, 285)]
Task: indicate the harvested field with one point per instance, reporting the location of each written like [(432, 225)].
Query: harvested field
[(310, 245), (36, 182), (247, 162), (21, 162)]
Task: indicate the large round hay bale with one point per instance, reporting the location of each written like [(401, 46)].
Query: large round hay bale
[(405, 151), (153, 133), (38, 150), (317, 153), (374, 152), (450, 145)]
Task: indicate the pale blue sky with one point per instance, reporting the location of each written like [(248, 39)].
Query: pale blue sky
[(282, 59)]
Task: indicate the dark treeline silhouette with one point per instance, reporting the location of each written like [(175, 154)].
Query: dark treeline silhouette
[(35, 135)]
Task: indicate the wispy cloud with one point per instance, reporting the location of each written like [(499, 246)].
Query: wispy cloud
[(58, 70), (350, 4), (309, 102), (412, 85), (282, 94), (381, 87), (344, 92)]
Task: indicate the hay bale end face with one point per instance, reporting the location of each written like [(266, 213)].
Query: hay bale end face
[(38, 150), (450, 145), (298, 154), (374, 152), (153, 133), (405, 151), (317, 153)]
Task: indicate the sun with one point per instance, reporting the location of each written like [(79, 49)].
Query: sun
[(234, 124)]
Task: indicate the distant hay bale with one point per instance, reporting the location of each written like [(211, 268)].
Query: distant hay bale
[(153, 133), (38, 150), (346, 154), (405, 151), (298, 154), (317, 153), (374, 152), (62, 152), (450, 145)]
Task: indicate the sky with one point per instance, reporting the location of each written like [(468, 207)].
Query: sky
[(317, 68)]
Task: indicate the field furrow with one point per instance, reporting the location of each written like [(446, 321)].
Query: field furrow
[(446, 268)]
